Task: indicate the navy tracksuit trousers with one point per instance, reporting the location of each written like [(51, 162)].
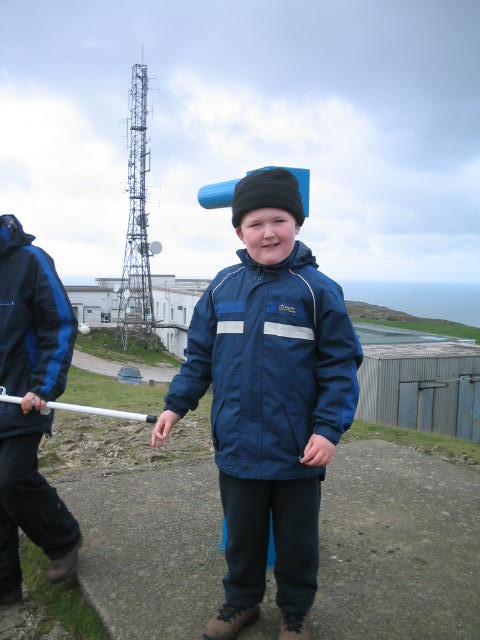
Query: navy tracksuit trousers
[(29, 502), (295, 507)]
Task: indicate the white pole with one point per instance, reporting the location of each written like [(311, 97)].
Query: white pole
[(111, 413)]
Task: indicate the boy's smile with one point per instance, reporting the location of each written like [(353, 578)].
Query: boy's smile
[(269, 235)]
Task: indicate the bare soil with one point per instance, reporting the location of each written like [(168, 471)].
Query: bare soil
[(93, 442)]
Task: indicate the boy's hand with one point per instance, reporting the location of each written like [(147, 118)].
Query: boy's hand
[(318, 452), (163, 427)]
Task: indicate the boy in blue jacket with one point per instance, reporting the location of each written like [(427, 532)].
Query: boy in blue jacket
[(37, 334), (273, 337)]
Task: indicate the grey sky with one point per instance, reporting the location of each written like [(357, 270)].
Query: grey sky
[(380, 99)]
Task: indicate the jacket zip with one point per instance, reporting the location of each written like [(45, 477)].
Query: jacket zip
[(292, 431)]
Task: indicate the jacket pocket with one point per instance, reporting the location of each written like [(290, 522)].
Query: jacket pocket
[(216, 409)]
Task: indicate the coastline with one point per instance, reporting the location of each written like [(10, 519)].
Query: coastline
[(454, 302)]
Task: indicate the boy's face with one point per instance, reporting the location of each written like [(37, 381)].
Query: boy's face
[(268, 234)]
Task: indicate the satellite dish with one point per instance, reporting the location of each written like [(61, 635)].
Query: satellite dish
[(128, 309), (116, 288), (126, 293), (156, 247)]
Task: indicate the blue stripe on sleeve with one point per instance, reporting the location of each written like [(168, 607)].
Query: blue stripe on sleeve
[(31, 343), (64, 334)]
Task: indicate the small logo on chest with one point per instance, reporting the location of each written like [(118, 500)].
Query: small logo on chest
[(286, 308)]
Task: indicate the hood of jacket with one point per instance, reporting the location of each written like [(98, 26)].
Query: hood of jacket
[(12, 234), (300, 256)]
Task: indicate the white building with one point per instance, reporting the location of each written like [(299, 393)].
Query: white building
[(174, 309), (92, 304), (174, 300)]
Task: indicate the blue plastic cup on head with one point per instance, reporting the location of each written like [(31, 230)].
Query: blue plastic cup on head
[(220, 194)]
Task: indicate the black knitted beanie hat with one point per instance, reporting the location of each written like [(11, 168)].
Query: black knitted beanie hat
[(276, 188)]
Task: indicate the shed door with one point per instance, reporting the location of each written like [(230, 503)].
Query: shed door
[(476, 410), (407, 405), (425, 408), (468, 416)]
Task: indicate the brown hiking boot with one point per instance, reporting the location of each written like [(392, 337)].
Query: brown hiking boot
[(229, 621), (294, 626), (66, 566)]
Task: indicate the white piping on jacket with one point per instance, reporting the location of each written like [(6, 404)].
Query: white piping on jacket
[(312, 294)]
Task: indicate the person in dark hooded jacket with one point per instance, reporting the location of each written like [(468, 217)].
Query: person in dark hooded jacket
[(37, 334), (273, 337)]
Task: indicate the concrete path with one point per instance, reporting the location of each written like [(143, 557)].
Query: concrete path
[(88, 362), (400, 553)]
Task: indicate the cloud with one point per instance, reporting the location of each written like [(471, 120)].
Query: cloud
[(363, 201), (63, 183), (373, 215)]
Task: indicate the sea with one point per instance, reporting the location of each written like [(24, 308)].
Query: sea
[(458, 302)]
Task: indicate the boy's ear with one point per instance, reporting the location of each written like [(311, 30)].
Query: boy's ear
[(239, 233)]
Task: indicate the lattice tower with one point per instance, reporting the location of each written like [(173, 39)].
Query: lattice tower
[(135, 307)]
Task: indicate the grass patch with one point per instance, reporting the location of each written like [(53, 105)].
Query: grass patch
[(96, 390), (104, 343), (442, 327), (62, 603), (450, 449), (50, 459)]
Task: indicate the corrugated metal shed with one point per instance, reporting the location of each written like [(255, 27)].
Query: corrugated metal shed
[(431, 387)]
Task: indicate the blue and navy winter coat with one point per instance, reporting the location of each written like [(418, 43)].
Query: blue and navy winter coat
[(282, 355), (37, 328)]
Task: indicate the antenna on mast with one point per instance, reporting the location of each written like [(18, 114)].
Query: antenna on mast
[(135, 306)]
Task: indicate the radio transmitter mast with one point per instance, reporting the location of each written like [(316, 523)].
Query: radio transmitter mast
[(135, 309)]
